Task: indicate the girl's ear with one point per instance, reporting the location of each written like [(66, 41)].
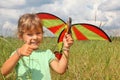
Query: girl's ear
[(20, 37)]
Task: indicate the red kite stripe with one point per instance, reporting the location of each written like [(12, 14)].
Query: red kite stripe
[(78, 34), (60, 39), (45, 16), (96, 30), (54, 29)]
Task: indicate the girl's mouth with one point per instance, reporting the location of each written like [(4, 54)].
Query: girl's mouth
[(35, 43)]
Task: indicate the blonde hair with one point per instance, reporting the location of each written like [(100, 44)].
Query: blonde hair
[(29, 22)]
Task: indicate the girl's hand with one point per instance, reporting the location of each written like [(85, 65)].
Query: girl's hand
[(68, 40), (26, 49)]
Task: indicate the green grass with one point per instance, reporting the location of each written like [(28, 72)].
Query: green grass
[(88, 60)]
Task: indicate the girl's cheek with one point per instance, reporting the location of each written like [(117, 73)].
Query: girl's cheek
[(40, 37)]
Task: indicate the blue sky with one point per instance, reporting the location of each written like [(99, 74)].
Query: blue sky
[(104, 12)]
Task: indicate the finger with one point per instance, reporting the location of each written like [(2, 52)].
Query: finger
[(68, 35), (28, 53)]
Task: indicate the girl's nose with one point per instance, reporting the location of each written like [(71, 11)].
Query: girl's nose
[(34, 36)]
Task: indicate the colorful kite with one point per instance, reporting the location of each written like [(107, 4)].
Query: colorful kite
[(79, 31), (84, 31), (52, 22)]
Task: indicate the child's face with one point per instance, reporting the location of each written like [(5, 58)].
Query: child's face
[(33, 38)]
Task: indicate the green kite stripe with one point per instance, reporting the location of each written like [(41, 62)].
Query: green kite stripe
[(52, 22), (89, 34), (57, 29), (96, 30), (77, 35)]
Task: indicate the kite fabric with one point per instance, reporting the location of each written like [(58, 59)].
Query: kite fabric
[(52, 23), (84, 31), (80, 31)]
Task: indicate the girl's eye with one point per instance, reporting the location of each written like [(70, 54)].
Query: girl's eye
[(29, 34), (38, 33)]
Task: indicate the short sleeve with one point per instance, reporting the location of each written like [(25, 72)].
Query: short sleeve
[(50, 55)]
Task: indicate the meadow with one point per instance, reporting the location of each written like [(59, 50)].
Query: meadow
[(88, 60)]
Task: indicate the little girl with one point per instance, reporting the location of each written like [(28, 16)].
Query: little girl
[(29, 62)]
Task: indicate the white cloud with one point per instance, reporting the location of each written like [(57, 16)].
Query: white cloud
[(78, 10), (8, 29), (111, 10), (81, 11), (11, 3), (9, 13), (113, 32), (110, 5)]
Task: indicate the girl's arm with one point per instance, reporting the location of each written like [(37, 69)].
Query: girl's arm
[(8, 66), (61, 65)]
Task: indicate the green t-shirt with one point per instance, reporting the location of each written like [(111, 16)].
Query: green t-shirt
[(36, 66)]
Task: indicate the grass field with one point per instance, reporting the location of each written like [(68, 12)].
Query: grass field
[(88, 60)]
